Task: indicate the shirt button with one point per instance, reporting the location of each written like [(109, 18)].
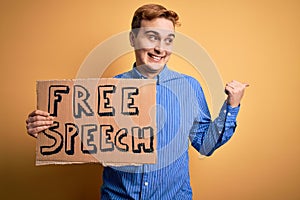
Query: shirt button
[(146, 183), (224, 111), (220, 132), (229, 114)]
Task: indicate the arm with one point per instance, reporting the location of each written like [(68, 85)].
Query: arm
[(207, 135)]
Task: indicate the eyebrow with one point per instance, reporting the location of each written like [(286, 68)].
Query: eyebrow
[(156, 33)]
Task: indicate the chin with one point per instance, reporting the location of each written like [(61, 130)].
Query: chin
[(155, 66)]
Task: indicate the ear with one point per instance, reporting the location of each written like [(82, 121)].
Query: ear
[(131, 38)]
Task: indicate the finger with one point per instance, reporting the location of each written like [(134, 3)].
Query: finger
[(234, 84), (37, 130), (39, 123), (228, 89), (231, 84), (39, 112), (237, 83), (39, 118)]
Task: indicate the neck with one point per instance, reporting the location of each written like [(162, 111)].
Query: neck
[(151, 74)]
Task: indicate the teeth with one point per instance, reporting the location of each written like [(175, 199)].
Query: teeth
[(156, 58)]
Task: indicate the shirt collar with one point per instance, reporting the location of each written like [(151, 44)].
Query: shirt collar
[(136, 73), (160, 77)]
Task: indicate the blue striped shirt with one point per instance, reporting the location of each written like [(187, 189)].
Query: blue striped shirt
[(181, 114)]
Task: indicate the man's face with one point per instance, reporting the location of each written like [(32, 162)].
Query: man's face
[(153, 45)]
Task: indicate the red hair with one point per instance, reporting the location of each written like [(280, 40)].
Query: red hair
[(152, 11)]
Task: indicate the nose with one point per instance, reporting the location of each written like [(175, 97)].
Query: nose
[(158, 47)]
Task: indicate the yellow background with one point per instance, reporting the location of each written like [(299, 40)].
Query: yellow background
[(253, 41)]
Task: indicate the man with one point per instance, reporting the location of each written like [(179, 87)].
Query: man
[(182, 114)]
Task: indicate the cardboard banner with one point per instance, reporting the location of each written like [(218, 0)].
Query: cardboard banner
[(111, 121)]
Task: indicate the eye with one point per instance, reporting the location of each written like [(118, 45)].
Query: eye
[(153, 37), (169, 41)]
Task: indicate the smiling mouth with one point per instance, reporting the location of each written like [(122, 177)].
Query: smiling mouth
[(155, 57)]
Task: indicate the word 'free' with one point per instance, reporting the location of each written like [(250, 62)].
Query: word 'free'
[(80, 100)]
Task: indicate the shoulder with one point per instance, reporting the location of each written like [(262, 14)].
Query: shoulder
[(124, 75), (171, 75), (189, 79)]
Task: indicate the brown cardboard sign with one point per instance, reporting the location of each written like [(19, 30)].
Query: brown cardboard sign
[(111, 121)]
